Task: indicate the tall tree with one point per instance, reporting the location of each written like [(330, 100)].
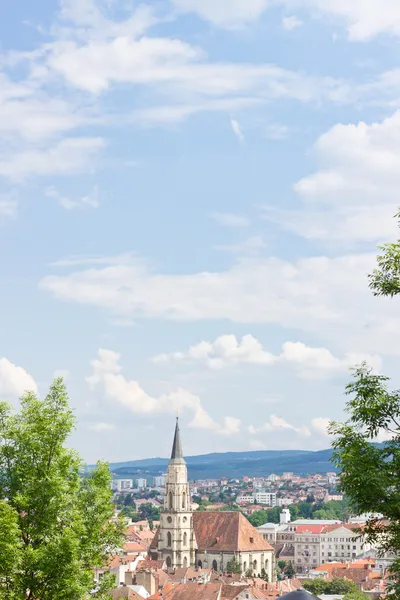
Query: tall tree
[(385, 280), (370, 472), (233, 566), (57, 520)]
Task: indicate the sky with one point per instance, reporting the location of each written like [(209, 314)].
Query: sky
[(191, 197)]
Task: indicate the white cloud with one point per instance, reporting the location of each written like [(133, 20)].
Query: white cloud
[(66, 156), (102, 427), (230, 220), (306, 294), (107, 374), (321, 424), (237, 130), (228, 351), (290, 23), (171, 114), (353, 195), (314, 363), (231, 426), (14, 380), (89, 201), (224, 13), (225, 351), (364, 19), (277, 423)]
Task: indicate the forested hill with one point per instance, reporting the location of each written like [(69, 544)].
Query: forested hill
[(236, 464)]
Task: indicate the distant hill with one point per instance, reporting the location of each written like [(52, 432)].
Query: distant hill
[(235, 464)]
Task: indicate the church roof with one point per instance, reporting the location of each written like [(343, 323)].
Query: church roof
[(226, 531), (177, 446)]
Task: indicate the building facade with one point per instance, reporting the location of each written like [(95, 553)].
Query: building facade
[(342, 542)]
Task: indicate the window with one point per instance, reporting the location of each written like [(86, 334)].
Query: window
[(245, 566), (169, 539), (170, 500), (214, 565), (254, 565), (184, 500), (168, 561), (185, 539)]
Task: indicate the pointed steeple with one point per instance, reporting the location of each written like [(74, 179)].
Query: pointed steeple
[(177, 446)]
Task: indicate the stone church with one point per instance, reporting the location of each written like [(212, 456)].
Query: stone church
[(204, 539)]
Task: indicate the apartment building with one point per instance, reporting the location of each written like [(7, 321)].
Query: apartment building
[(265, 498), (342, 542)]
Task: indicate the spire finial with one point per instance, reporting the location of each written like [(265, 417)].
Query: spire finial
[(177, 446)]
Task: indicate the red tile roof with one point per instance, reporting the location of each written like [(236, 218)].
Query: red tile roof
[(226, 531), (189, 591), (310, 528)]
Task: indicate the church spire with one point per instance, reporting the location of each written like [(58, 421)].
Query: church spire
[(177, 446)]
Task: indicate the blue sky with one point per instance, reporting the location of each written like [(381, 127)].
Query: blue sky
[(191, 196)]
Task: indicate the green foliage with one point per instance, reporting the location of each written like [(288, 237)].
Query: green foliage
[(55, 522), (10, 549), (149, 512), (290, 571), (370, 472), (233, 566), (335, 586), (264, 575), (230, 507), (356, 596), (385, 280), (102, 591), (258, 518), (249, 573)]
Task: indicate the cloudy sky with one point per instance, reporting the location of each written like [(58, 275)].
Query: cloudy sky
[(191, 196)]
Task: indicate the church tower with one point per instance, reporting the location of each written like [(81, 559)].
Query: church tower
[(176, 541)]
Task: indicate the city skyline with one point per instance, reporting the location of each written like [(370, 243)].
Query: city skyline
[(191, 197)]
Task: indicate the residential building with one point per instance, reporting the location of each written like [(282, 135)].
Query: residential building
[(342, 542), (266, 498), (122, 484), (287, 476), (141, 483), (159, 481), (284, 501)]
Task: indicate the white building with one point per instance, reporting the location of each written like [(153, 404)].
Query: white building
[(245, 499), (122, 484), (284, 517), (284, 501), (159, 481), (287, 476), (266, 498), (141, 483), (342, 543), (273, 477)]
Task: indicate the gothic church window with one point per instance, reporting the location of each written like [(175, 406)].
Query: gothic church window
[(169, 538)]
